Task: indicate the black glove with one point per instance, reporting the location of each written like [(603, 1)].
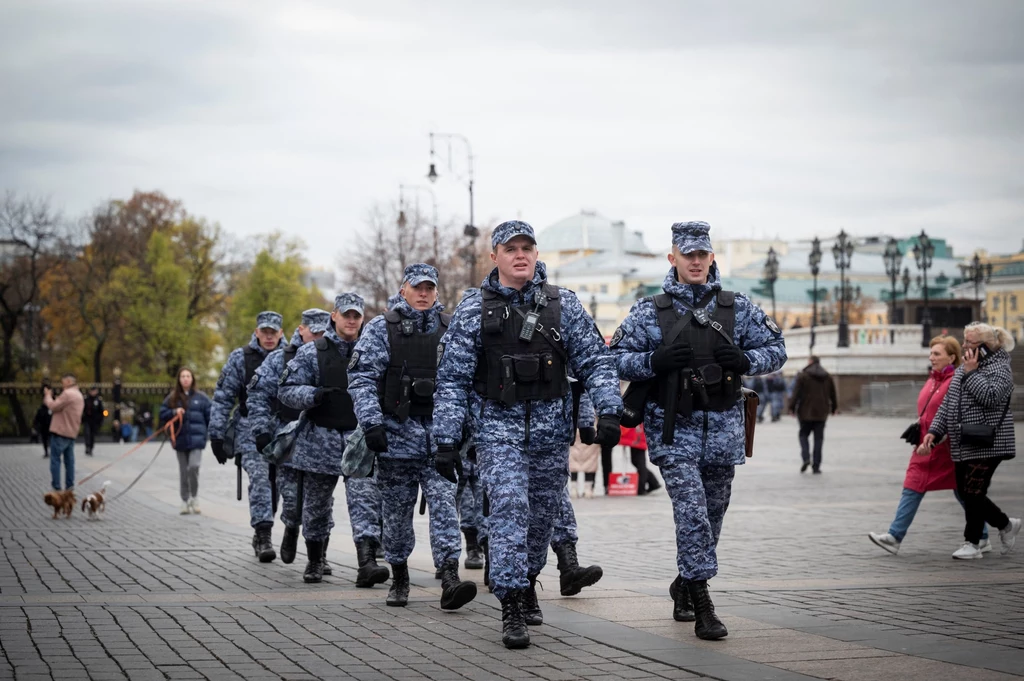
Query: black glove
[(262, 440), (587, 435), (376, 438), (448, 463), (608, 433), (321, 393), (671, 358), (218, 451), (731, 358)]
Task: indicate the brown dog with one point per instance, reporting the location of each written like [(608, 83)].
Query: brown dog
[(94, 503), (61, 501)]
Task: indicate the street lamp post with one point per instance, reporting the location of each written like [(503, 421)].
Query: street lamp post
[(814, 260), (978, 273), (924, 251), (470, 230), (771, 275), (893, 259), (842, 251)]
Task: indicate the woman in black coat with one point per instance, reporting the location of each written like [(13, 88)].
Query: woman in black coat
[(191, 437)]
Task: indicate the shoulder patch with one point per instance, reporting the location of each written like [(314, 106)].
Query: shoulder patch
[(284, 376), (252, 382), (440, 353), (772, 326), (617, 336), (354, 361)]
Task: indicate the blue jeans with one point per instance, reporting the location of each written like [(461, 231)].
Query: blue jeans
[(62, 447), (905, 512)]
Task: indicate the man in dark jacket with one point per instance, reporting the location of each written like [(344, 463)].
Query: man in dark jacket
[(814, 398), (92, 419)]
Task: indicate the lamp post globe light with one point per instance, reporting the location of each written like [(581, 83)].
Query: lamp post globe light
[(842, 251), (893, 259), (924, 252), (814, 260), (771, 275), (471, 231)]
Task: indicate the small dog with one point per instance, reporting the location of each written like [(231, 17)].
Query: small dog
[(94, 504), (61, 501)]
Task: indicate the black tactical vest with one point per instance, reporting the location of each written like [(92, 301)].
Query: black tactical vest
[(336, 410), (253, 359), (704, 386), (284, 413), (407, 388), (512, 370)]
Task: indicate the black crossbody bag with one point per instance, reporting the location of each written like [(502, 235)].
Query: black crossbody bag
[(980, 435), (913, 432)]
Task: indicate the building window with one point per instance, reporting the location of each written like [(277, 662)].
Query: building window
[(1013, 303), (995, 304), (604, 288)]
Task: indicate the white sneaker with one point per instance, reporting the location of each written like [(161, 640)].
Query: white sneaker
[(968, 551), (193, 504), (985, 546), (574, 492), (1009, 536), (588, 491), (185, 508), (886, 541)]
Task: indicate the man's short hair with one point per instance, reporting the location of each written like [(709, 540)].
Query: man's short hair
[(69, 375), (815, 359)]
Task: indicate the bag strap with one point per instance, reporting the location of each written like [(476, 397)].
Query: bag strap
[(960, 407)]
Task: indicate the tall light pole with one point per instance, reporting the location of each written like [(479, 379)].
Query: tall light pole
[(924, 251), (893, 259), (771, 275), (814, 260), (842, 251), (470, 230), (978, 273)]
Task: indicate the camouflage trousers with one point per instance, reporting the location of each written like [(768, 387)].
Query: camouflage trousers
[(362, 495), (470, 503), (400, 481), (288, 487), (525, 490), (317, 505), (565, 525), (700, 498), (261, 504)]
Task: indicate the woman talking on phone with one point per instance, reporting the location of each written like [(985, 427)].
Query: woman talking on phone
[(975, 416)]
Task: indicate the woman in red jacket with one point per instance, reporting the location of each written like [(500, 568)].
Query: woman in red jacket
[(934, 471), (635, 439)]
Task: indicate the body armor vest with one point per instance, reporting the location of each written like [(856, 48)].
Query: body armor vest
[(511, 369), (704, 386), (336, 411), (407, 388), (253, 359), (286, 414)]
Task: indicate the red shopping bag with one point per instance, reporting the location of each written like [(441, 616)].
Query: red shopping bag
[(622, 484)]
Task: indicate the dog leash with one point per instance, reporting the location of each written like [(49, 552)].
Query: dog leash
[(170, 428), (143, 472)]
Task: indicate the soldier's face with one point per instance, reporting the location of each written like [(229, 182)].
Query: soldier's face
[(516, 260), (692, 267), (421, 296), (347, 323), (306, 335), (268, 337)]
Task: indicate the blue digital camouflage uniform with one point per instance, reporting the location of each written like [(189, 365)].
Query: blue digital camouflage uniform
[(565, 530), (409, 462), (470, 503), (525, 481), (698, 467), (228, 391)]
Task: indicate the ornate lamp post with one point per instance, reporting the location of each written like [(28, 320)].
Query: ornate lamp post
[(924, 251), (978, 273), (470, 230), (893, 259), (842, 251), (771, 275), (814, 260)]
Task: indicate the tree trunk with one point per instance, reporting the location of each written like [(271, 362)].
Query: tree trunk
[(97, 363), (19, 415)]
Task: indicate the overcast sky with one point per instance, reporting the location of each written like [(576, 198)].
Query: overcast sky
[(790, 118)]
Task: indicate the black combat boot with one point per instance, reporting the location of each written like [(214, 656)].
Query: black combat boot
[(327, 566), (315, 567), (531, 608), (261, 544), (682, 608), (454, 592), (474, 554), (398, 595), (378, 550), (572, 578), (513, 627), (369, 572), (288, 544), (708, 626)]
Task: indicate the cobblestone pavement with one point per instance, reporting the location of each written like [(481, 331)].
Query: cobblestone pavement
[(148, 594)]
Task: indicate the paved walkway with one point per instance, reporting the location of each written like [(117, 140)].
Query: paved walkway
[(148, 594)]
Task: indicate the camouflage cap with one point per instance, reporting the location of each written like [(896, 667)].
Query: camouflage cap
[(420, 272), (510, 229), (349, 300), (692, 236), (316, 320), (269, 320)]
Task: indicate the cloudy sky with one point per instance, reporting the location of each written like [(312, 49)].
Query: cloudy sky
[(789, 118)]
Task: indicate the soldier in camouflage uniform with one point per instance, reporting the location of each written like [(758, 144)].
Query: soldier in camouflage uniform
[(392, 376), (267, 415), (238, 371), (696, 342), (504, 371)]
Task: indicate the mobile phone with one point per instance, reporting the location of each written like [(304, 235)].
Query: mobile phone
[(983, 351)]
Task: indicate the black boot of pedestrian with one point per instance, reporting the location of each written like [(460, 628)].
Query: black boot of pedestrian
[(327, 566), (531, 608), (513, 625), (682, 608), (369, 572), (454, 592), (314, 573), (708, 626), (398, 595), (474, 554), (288, 544), (261, 544), (571, 577)]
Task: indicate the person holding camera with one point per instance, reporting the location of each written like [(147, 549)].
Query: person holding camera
[(975, 416)]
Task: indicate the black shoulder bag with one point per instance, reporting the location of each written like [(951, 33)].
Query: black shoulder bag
[(913, 432), (979, 435)]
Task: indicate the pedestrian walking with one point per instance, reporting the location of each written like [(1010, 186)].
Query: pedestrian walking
[(41, 422), (636, 441), (584, 454), (775, 386), (190, 440), (504, 370), (236, 375), (689, 347), (928, 471), (814, 398), (65, 422), (92, 418), (975, 416), (756, 383)]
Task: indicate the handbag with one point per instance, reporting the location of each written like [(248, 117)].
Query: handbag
[(357, 460), (979, 435), (913, 432)]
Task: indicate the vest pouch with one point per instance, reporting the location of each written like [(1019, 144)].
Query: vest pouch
[(527, 368), (547, 367), (423, 388), (492, 323), (712, 377)]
